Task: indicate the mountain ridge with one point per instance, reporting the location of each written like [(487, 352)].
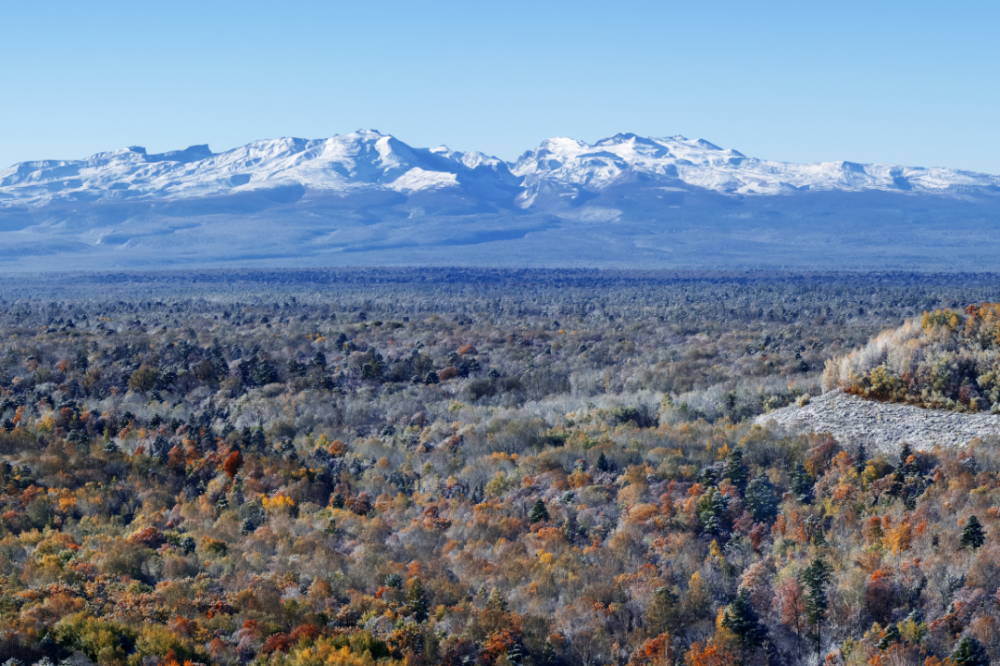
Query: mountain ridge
[(370, 158), (368, 198)]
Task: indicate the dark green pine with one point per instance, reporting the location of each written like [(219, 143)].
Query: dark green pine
[(970, 652), (973, 535)]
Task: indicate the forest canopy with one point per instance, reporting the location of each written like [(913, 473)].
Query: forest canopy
[(517, 469), (946, 359)]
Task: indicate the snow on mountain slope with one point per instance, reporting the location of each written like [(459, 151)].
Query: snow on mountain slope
[(574, 166), (551, 177), (357, 161)]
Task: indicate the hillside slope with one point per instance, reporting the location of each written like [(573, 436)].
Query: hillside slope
[(948, 359)]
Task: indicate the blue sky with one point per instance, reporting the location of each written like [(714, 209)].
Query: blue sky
[(912, 83)]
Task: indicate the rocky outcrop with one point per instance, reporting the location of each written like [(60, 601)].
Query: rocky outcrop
[(882, 425)]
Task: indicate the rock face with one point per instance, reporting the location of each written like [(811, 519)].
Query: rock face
[(881, 425)]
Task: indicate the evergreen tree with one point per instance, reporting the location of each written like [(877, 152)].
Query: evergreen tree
[(736, 471), (712, 525), (802, 484), (896, 489), (972, 534), (538, 512), (741, 619), (761, 500), (970, 652), (707, 477), (711, 511), (815, 578), (107, 444), (910, 466), (905, 451), (603, 464), (416, 600), (861, 459), (891, 636), (515, 655)]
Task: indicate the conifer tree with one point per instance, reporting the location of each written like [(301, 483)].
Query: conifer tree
[(416, 600), (905, 451), (802, 484), (909, 465), (538, 512), (107, 444), (741, 619), (816, 577), (761, 500), (246, 527), (515, 654), (861, 459), (736, 471), (970, 652), (891, 636), (972, 534), (711, 509), (707, 477), (904, 468)]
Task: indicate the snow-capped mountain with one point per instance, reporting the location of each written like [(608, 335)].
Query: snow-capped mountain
[(369, 198), (570, 163), (342, 164), (367, 159)]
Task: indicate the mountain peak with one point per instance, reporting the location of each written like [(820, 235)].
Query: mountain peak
[(189, 154), (370, 134), (706, 145), (619, 138)]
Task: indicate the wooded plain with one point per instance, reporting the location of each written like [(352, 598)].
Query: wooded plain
[(458, 466)]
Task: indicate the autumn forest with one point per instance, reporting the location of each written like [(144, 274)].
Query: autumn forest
[(490, 468)]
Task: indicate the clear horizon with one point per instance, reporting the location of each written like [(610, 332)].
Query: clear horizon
[(902, 84)]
